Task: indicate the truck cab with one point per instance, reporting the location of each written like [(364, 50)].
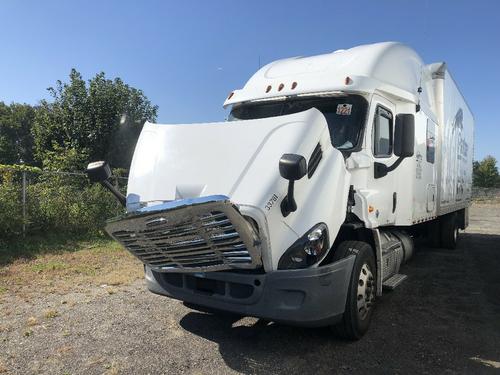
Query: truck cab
[(303, 205)]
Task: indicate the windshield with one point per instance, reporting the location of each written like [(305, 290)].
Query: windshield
[(345, 115)]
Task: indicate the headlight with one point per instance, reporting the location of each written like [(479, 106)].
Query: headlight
[(310, 249)]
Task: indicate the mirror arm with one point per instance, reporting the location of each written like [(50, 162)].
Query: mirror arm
[(288, 204), (381, 169), (396, 164), (121, 198)]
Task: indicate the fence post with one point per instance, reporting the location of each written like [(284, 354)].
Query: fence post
[(24, 203)]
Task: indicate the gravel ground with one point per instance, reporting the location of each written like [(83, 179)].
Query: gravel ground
[(445, 318)]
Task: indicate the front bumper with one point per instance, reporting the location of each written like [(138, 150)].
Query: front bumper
[(306, 297)]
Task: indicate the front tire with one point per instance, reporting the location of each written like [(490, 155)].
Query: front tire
[(362, 289)]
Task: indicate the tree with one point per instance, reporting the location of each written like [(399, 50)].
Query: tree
[(485, 172), (16, 140), (98, 120)]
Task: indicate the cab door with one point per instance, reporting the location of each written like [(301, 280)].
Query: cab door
[(384, 190)]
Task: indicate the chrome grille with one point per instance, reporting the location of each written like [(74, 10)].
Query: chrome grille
[(190, 237)]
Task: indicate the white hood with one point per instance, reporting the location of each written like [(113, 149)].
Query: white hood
[(240, 160), (192, 160)]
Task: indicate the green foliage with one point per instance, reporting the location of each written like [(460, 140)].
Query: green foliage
[(16, 140), (19, 168), (485, 172), (99, 120), (64, 159), (76, 207), (55, 202), (84, 121), (11, 217)]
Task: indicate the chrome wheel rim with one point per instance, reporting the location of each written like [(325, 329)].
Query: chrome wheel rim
[(366, 291)]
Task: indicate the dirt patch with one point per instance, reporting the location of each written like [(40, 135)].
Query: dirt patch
[(445, 318), (104, 263)]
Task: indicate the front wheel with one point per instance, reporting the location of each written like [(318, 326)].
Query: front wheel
[(361, 293)]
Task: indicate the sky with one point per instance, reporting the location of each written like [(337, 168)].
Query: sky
[(188, 55)]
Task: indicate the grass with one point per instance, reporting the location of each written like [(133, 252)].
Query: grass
[(54, 264), (47, 243)]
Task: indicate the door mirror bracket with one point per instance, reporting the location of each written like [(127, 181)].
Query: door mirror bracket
[(404, 144), (100, 171)]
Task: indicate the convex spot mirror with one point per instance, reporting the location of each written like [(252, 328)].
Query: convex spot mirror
[(98, 171), (404, 135)]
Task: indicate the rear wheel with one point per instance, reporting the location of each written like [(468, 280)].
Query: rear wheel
[(361, 293), (449, 231)]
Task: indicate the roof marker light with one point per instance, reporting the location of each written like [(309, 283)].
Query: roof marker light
[(268, 88), (348, 80), (280, 87), (294, 85)]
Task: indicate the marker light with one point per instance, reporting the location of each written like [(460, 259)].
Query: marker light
[(348, 80), (294, 85), (280, 87), (268, 88)]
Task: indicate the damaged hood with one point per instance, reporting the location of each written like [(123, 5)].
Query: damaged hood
[(227, 158), (240, 160)]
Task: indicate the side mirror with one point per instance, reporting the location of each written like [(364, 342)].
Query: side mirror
[(292, 167), (404, 135), (100, 171)]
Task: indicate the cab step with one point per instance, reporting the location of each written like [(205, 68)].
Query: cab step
[(393, 282)]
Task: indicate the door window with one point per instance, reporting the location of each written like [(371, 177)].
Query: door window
[(382, 133)]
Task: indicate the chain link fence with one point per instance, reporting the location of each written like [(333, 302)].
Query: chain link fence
[(37, 201)]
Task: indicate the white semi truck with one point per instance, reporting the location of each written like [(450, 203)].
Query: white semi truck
[(304, 204)]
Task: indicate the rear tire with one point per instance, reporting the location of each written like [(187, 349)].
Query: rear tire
[(361, 292), (449, 231)]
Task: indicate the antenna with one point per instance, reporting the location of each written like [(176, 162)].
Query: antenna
[(259, 61)]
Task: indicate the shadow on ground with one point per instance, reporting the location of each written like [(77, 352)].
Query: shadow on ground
[(443, 318)]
